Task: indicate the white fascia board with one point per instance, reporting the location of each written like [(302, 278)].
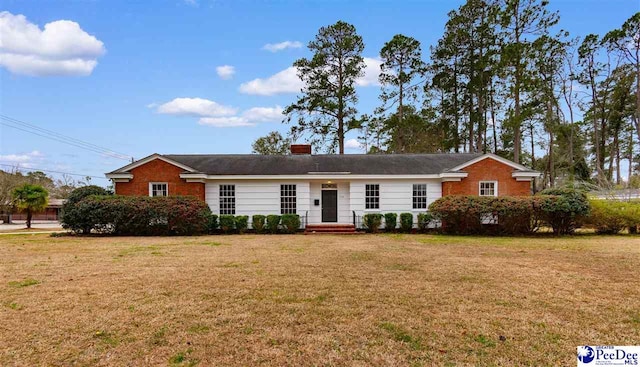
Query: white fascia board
[(454, 175), (152, 157), (199, 176), (319, 176), (121, 177), (512, 164), (525, 176)]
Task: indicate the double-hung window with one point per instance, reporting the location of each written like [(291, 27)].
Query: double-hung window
[(158, 189), (372, 196), (228, 199), (488, 188), (287, 199), (419, 196)]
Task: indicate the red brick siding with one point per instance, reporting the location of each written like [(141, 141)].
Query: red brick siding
[(159, 171), (487, 170)]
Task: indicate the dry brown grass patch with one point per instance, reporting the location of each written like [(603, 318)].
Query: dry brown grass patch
[(315, 300)]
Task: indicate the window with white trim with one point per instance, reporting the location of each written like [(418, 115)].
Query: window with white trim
[(372, 196), (419, 196), (287, 199), (488, 188), (158, 189), (228, 199)]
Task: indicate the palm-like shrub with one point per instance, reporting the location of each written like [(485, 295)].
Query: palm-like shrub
[(30, 199)]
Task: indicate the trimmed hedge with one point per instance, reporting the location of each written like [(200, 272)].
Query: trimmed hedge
[(74, 218), (212, 225), (142, 215), (242, 223), (561, 209), (258, 223), (290, 223), (565, 209), (227, 223), (406, 222), (611, 216), (390, 222), (424, 220), (273, 222), (372, 221)]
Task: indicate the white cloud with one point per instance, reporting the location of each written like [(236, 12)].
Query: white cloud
[(287, 80), (61, 48), (275, 47), (195, 107), (225, 71), (250, 117), (352, 144), (371, 73), (231, 121), (191, 2), (214, 114), (263, 114), (21, 159)]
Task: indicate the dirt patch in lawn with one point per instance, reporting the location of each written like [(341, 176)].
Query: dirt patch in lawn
[(315, 300)]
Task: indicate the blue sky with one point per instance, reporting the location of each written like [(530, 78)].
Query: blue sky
[(141, 77)]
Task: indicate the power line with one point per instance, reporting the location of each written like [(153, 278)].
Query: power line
[(32, 169), (63, 137), (53, 135)]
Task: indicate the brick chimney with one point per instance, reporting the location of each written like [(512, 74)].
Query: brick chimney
[(300, 149)]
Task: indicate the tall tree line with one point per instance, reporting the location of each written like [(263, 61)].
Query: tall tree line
[(503, 78)]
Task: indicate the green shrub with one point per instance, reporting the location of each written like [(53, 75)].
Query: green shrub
[(424, 219), (372, 222), (142, 215), (242, 223), (632, 215), (564, 209), (460, 214), (611, 216), (290, 223), (406, 222), (273, 222), (258, 223), (212, 225), (390, 222), (72, 217), (227, 223), (465, 214)]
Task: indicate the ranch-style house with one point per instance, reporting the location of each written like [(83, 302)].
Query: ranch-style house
[(322, 189)]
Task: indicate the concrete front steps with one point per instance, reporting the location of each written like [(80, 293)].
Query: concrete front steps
[(330, 229)]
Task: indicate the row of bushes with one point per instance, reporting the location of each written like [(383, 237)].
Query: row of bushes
[(286, 223), (138, 215), (373, 222), (611, 216), (561, 209), (89, 210)]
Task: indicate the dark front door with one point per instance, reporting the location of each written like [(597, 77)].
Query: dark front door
[(330, 205)]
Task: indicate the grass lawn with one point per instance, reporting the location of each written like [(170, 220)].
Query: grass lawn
[(315, 300)]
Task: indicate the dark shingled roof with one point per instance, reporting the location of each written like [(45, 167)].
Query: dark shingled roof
[(357, 164)]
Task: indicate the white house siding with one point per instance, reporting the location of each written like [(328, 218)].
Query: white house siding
[(255, 197), (263, 197), (396, 196)]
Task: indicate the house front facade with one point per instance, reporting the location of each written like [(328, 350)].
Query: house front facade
[(322, 189)]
